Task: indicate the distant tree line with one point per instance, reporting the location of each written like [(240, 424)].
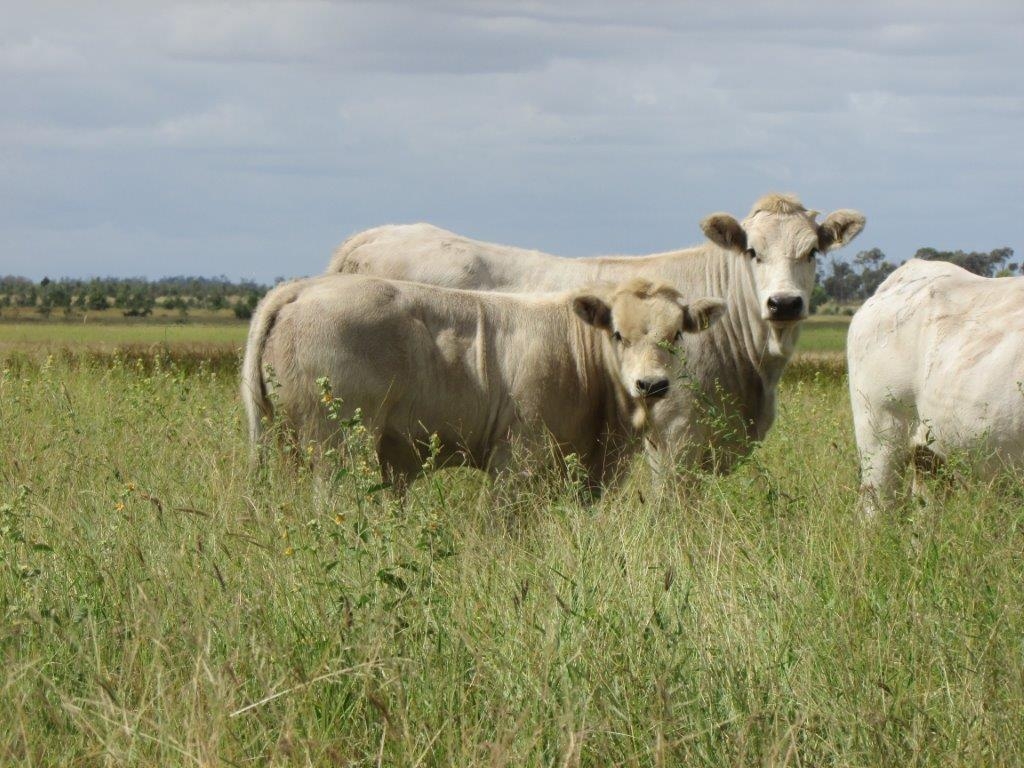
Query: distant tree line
[(851, 282), (840, 282), (134, 296)]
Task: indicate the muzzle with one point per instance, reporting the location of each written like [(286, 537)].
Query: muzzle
[(784, 307), (652, 389)]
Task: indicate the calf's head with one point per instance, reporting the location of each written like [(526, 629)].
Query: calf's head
[(782, 241), (642, 322)]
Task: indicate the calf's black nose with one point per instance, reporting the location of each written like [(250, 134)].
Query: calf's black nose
[(652, 387), (785, 307)]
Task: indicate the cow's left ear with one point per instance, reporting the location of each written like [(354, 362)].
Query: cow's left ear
[(593, 311), (839, 228), (701, 314)]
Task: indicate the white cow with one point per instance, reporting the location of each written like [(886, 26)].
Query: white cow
[(763, 266), (936, 360), (479, 371)]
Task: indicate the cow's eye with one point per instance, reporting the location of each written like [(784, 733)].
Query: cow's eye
[(751, 253), (617, 336), (812, 254), (677, 337)]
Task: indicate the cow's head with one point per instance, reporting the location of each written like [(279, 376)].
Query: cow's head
[(642, 322), (782, 241)]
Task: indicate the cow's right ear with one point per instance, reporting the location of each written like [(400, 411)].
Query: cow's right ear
[(701, 314), (593, 311), (724, 231)]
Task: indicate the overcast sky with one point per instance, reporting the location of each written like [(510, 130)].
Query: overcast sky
[(249, 138)]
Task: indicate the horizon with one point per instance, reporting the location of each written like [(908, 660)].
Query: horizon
[(250, 139)]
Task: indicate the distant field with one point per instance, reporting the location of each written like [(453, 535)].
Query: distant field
[(26, 336), (819, 335), (824, 334)]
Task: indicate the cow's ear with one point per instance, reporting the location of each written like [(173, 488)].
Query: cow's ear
[(593, 311), (839, 228), (701, 314), (724, 231)]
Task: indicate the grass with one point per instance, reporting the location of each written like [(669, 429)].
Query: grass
[(164, 606), (819, 334), (33, 336), (824, 334)]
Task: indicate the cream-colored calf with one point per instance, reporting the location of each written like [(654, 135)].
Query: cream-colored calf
[(479, 370)]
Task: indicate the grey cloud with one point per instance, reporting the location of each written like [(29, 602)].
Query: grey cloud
[(249, 138)]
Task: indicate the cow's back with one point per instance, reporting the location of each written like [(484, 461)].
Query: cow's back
[(428, 254)]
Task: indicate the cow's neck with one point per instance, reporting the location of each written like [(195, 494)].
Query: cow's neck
[(767, 347), (751, 355), (618, 420)]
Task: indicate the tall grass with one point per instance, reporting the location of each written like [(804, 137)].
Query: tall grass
[(163, 605)]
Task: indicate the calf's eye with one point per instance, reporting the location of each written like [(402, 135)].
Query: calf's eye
[(677, 337), (812, 254), (617, 336), (751, 253)]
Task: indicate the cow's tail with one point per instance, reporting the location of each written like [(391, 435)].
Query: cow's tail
[(258, 407)]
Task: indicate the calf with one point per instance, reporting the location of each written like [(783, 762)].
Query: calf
[(481, 371)]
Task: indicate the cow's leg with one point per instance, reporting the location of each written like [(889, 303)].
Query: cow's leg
[(926, 464), (883, 445), (400, 462)]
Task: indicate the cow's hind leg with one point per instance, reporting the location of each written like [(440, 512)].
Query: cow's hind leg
[(927, 464)]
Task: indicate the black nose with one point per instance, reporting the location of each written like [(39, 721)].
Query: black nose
[(652, 387), (785, 307)]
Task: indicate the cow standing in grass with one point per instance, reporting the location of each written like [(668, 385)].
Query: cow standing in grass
[(763, 266), (936, 360), (469, 374)]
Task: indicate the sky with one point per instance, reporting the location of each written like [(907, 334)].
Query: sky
[(250, 138)]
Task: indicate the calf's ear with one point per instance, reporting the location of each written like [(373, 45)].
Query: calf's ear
[(724, 231), (593, 311), (701, 314), (839, 228)]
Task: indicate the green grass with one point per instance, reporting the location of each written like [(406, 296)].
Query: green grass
[(164, 606), (819, 334), (108, 336), (822, 334)]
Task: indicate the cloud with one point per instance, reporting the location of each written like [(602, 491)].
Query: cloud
[(226, 125), (251, 31), (38, 55), (255, 129)]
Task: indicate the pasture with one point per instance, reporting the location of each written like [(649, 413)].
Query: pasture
[(164, 605)]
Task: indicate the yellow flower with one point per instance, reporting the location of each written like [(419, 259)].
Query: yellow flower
[(339, 518), (119, 506), (289, 551), (328, 398)]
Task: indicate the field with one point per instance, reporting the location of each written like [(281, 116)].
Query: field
[(164, 605)]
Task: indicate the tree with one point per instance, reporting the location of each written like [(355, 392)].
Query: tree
[(53, 296), (244, 306), (978, 262), (843, 285), (95, 296), (874, 268)]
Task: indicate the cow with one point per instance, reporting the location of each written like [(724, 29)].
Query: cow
[(936, 362), (468, 374), (763, 266)]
